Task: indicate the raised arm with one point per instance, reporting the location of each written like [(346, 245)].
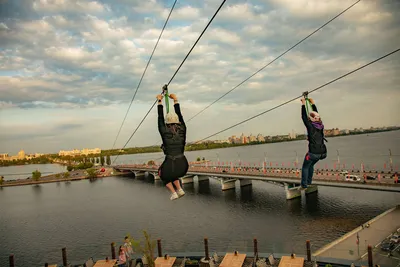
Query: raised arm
[(304, 115), (178, 109), (314, 107), (160, 109)]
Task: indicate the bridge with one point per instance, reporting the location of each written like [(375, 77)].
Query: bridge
[(288, 178)]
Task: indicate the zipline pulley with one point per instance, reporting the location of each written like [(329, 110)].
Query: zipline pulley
[(165, 93)]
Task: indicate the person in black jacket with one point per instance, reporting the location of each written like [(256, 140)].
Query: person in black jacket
[(316, 147), (173, 134)]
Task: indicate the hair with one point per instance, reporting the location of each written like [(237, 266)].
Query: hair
[(120, 249), (174, 128)]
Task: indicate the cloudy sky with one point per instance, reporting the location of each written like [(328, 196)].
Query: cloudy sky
[(69, 68)]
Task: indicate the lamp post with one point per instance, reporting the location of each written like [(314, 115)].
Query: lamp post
[(390, 160), (338, 157), (297, 159), (217, 157), (238, 156)]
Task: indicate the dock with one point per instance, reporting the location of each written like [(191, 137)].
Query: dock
[(353, 246)]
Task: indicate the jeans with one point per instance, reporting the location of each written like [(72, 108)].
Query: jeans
[(307, 169)]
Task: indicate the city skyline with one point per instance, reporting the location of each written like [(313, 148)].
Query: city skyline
[(86, 151), (69, 71)]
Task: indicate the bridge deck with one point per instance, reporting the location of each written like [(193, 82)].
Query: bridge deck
[(346, 246), (287, 176)]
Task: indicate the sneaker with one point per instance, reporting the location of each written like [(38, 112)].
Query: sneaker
[(180, 192), (174, 196), (303, 188)]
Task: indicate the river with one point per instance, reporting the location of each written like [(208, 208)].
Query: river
[(37, 221)]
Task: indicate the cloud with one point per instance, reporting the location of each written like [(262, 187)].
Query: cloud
[(82, 58)]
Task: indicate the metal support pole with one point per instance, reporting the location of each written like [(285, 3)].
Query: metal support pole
[(370, 261), (255, 242), (64, 256), (206, 248), (159, 247), (113, 251), (11, 258), (308, 245)]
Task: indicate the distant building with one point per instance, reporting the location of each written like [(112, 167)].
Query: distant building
[(331, 132), (77, 152), (260, 138), (4, 156)]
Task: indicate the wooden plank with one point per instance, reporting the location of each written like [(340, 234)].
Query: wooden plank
[(288, 261), (230, 260), (162, 262), (104, 263)]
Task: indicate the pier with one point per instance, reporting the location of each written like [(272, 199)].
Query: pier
[(353, 246)]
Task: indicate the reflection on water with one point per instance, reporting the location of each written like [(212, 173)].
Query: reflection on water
[(85, 216)]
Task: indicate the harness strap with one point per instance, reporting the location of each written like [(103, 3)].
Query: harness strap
[(175, 157)]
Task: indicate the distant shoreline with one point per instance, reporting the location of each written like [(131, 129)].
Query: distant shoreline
[(77, 176), (191, 147)]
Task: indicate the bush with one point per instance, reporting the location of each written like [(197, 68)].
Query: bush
[(69, 168), (36, 175), (147, 250), (58, 175), (151, 162), (1, 180), (198, 159), (65, 175), (91, 173), (84, 165)]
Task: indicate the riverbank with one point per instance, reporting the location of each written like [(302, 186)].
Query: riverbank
[(59, 177)]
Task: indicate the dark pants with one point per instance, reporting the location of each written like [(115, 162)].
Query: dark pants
[(307, 170), (173, 169)]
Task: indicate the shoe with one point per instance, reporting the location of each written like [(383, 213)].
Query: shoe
[(174, 196), (303, 188), (180, 192)]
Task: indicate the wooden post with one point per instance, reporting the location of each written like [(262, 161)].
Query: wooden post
[(255, 242), (370, 262), (159, 247), (308, 245), (113, 251), (64, 256), (11, 258), (206, 248)]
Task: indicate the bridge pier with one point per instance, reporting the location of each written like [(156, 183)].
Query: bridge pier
[(245, 182), (187, 179), (311, 189), (202, 178), (138, 174), (155, 175), (227, 183), (292, 191)]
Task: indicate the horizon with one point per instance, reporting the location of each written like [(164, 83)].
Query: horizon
[(69, 71), (194, 143)]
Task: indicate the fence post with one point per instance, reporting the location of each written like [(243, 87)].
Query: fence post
[(255, 242), (159, 247), (11, 258), (206, 248), (64, 256), (308, 245), (113, 251), (370, 262)]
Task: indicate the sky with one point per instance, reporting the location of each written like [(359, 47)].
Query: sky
[(69, 68)]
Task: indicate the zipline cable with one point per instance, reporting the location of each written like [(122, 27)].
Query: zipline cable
[(144, 72), (212, 18), (332, 81), (274, 60)]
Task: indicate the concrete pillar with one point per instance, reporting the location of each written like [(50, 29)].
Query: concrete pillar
[(155, 175), (244, 182), (138, 174), (292, 191), (187, 179), (202, 178), (227, 183), (311, 189)]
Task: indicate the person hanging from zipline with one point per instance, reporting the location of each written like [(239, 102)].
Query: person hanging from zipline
[(315, 133), (173, 135)]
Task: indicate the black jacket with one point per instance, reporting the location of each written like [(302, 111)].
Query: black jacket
[(173, 144), (315, 136)]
